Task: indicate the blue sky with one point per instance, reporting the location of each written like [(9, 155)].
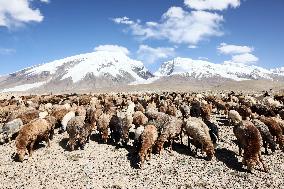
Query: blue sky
[(241, 31)]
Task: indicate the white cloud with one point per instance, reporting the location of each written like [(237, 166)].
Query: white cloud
[(212, 4), (246, 58), (45, 1), (234, 49), (17, 12), (192, 46), (112, 48), (177, 26), (240, 54), (5, 51), (150, 55)]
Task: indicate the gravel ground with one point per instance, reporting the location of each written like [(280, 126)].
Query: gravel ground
[(104, 166)]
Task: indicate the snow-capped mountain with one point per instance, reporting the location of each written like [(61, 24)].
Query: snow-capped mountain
[(86, 71), (106, 69), (278, 70), (200, 69)]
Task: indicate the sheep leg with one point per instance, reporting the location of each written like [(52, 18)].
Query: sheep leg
[(47, 140), (181, 139), (171, 146), (265, 147), (51, 134), (240, 150), (31, 147), (148, 154), (263, 164), (188, 142)]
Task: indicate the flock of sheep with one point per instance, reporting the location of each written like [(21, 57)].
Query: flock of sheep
[(146, 121)]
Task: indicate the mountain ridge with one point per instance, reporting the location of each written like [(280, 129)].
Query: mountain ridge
[(101, 69)]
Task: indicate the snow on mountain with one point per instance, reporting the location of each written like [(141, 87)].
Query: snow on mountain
[(108, 68), (24, 87), (102, 62), (97, 69), (279, 71), (203, 69)]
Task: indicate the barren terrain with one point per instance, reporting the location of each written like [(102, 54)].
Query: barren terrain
[(104, 166)]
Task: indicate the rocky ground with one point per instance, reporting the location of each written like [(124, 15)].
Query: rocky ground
[(104, 166)]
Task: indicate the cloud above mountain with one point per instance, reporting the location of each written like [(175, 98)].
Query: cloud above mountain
[(234, 49), (150, 55), (240, 54), (112, 48), (177, 26), (212, 4)]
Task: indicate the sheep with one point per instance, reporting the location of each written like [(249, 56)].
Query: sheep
[(36, 130), (9, 129), (121, 130), (171, 110), (103, 125), (65, 120), (267, 138), (138, 131), (28, 116), (262, 110), (245, 112), (171, 129), (280, 122), (139, 107), (80, 111), (270, 102), (42, 115), (213, 131), (139, 118), (274, 129), (206, 110), (281, 114), (249, 139), (185, 110), (199, 132), (234, 117), (59, 113), (74, 126), (147, 141), (195, 110), (79, 132)]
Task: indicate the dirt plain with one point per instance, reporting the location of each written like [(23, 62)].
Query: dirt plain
[(105, 166)]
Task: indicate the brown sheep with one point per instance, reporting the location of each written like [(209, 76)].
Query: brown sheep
[(36, 130), (206, 110), (267, 138), (245, 112), (59, 113), (199, 132), (249, 139), (28, 116), (170, 131), (103, 126), (79, 132), (171, 110), (274, 129), (139, 118), (147, 141)]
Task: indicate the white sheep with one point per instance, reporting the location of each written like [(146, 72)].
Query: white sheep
[(67, 118), (9, 129), (234, 117), (42, 115), (268, 101)]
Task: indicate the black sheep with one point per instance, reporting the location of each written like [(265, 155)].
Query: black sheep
[(213, 131)]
